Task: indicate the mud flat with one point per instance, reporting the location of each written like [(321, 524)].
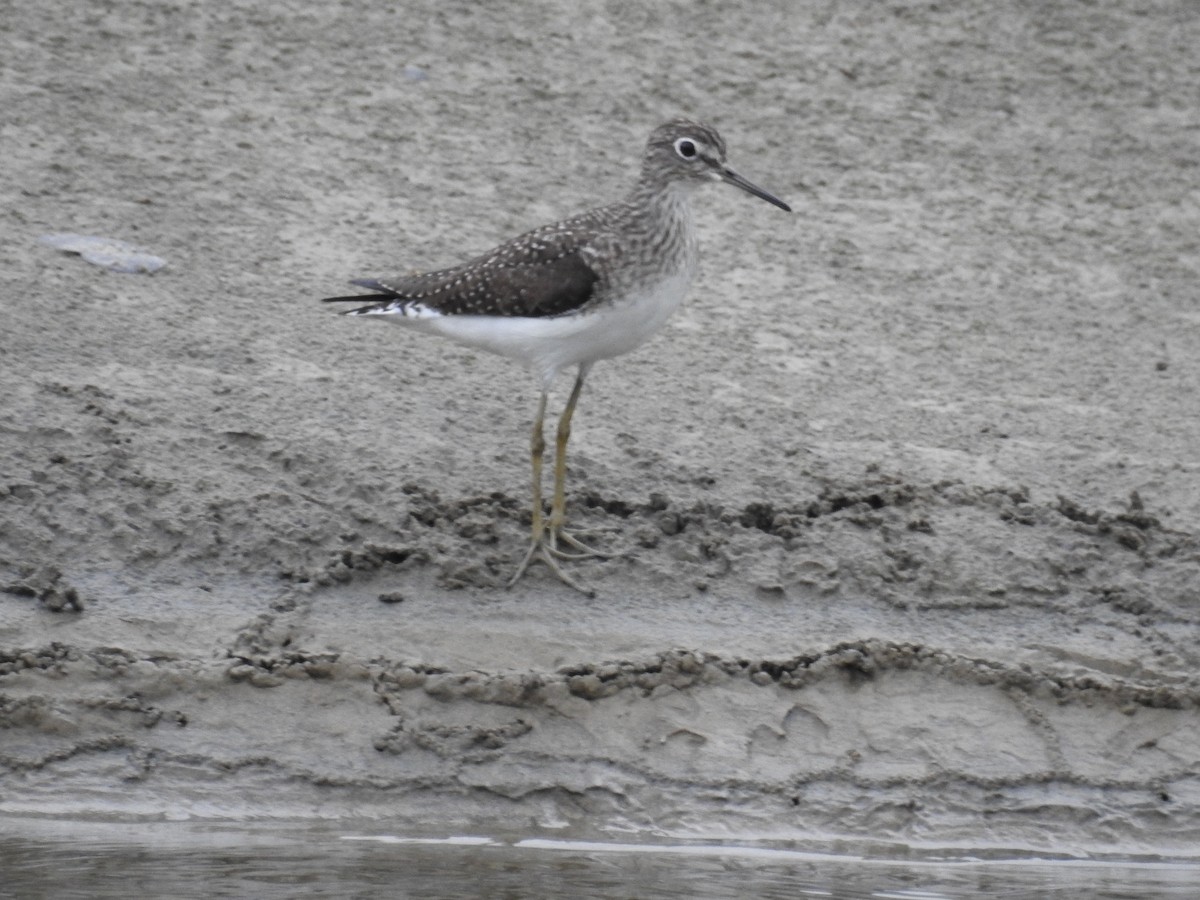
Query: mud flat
[(907, 492)]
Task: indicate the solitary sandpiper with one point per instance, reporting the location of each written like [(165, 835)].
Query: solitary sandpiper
[(568, 294)]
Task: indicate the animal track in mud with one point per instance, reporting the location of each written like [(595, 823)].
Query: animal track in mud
[(1134, 529), (908, 545), (53, 656), (258, 663), (466, 743), (856, 661)]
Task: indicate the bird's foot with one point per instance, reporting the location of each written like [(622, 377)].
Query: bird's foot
[(581, 550), (545, 548)]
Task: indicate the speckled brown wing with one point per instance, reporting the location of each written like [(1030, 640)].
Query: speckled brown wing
[(540, 274)]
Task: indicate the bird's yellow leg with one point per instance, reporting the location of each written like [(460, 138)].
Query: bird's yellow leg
[(539, 549), (537, 449), (558, 507)]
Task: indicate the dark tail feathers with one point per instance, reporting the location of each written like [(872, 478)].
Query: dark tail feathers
[(358, 298), (369, 283)]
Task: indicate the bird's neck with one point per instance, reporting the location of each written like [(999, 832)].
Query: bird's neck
[(654, 190), (671, 201), (663, 214)]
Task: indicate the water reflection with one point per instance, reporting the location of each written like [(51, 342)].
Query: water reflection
[(185, 861)]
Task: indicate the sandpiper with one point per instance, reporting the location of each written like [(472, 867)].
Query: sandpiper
[(571, 293)]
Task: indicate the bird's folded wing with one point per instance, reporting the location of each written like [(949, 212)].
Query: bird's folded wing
[(531, 276)]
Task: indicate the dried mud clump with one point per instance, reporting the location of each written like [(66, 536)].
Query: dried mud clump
[(47, 585)]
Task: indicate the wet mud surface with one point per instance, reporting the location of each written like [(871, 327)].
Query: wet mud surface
[(904, 501)]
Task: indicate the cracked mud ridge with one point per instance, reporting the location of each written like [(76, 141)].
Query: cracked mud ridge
[(904, 500)]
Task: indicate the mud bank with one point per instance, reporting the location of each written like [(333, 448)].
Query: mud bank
[(906, 494)]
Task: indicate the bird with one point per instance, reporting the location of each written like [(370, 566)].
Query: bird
[(569, 294)]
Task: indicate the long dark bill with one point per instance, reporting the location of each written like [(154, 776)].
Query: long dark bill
[(732, 177)]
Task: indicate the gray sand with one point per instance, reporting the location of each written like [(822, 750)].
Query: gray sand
[(907, 490)]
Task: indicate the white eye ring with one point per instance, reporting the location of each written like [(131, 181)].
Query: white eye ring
[(686, 148)]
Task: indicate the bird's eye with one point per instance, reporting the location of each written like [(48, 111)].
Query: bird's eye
[(686, 148)]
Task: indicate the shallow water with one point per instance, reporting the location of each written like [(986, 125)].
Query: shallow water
[(41, 859)]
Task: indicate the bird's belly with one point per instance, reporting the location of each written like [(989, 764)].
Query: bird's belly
[(553, 343), (621, 325)]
